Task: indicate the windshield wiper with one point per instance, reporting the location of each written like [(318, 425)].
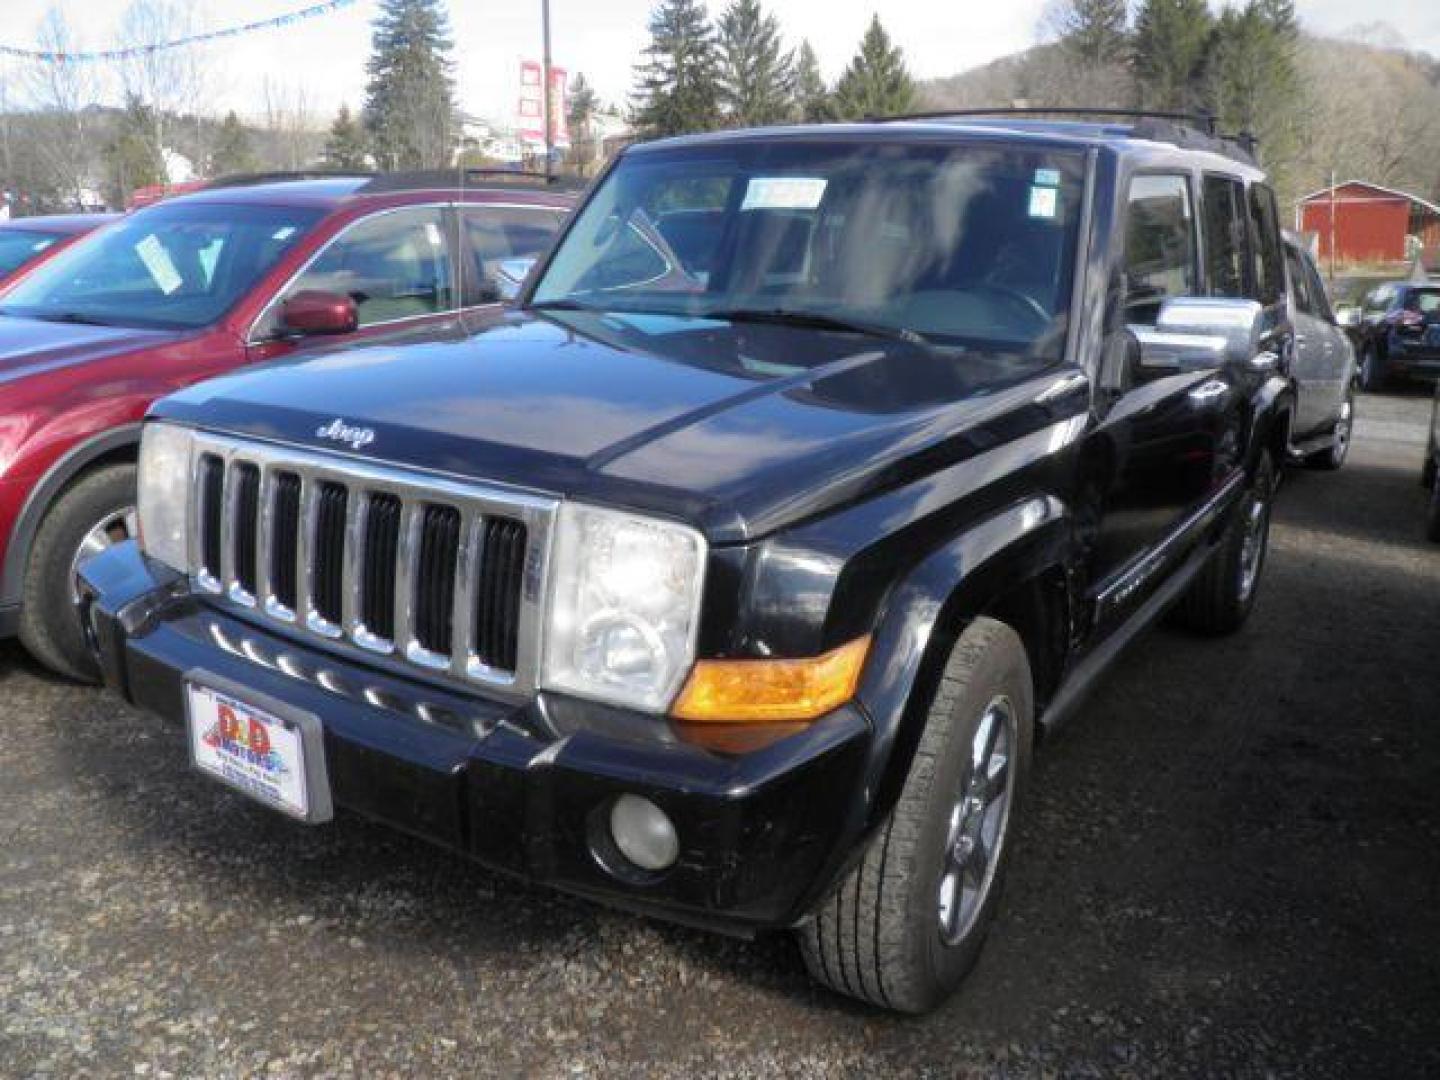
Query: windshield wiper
[(561, 304), (819, 321), (79, 318)]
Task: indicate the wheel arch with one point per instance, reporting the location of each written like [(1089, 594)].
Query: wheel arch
[(117, 445), (1010, 567)]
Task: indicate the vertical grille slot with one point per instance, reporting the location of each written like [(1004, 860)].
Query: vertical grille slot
[(285, 539), (212, 510), (497, 606), (247, 521), (328, 552), (434, 595), (382, 545)]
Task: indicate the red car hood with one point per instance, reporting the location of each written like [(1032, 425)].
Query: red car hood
[(33, 346)]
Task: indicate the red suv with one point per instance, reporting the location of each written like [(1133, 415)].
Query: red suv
[(26, 242), (190, 288)]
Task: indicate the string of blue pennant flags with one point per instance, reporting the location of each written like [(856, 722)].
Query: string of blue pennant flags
[(289, 19)]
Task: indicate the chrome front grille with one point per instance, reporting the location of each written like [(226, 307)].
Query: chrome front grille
[(424, 571)]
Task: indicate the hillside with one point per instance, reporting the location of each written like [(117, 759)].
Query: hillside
[(1380, 122)]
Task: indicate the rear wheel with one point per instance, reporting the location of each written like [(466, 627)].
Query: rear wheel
[(1222, 596), (1334, 455), (1432, 518), (92, 514), (908, 922), (1372, 370)]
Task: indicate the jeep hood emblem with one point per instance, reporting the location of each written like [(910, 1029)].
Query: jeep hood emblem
[(357, 438)]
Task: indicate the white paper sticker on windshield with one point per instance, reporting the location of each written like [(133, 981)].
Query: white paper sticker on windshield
[(784, 193), (1044, 202), (283, 233), (432, 233), (157, 260)]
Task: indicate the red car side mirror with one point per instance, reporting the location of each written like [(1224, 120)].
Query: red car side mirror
[(314, 311)]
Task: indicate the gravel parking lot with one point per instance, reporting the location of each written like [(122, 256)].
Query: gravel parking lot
[(1228, 866)]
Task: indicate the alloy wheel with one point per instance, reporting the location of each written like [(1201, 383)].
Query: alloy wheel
[(114, 528)]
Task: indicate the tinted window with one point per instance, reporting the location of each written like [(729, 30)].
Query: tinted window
[(1159, 246), (173, 265), (501, 242), (965, 245), (1425, 301), (1299, 281), (1269, 263), (1224, 223), (19, 246), (1318, 294), (394, 265)]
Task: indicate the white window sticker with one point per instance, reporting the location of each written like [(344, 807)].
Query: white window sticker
[(784, 193), (432, 233), (1044, 202), (283, 233), (157, 260)]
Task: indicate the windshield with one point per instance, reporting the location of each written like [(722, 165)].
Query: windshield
[(968, 246), (19, 246), (175, 266)]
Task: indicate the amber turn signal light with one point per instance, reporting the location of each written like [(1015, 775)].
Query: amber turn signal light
[(730, 691)]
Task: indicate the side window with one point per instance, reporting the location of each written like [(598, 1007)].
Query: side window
[(1159, 246), (500, 242), (1378, 302), (1299, 281), (1224, 224), (1269, 263), (394, 265), (1318, 294)]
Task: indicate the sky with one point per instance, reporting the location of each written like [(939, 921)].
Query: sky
[(325, 58)]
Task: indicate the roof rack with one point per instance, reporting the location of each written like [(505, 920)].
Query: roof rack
[(282, 176), (467, 176), (1194, 131)]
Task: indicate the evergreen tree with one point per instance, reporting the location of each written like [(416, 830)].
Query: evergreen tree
[(233, 152), (1254, 80), (677, 87), (812, 97), (410, 98), (131, 159), (877, 82), (756, 77), (582, 105), (1092, 31), (345, 146), (1172, 42)]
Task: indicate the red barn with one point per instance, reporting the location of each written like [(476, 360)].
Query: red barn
[(1371, 222)]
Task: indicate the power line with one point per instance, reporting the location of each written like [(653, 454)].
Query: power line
[(106, 55)]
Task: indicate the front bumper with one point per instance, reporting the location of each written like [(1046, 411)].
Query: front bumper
[(520, 788)]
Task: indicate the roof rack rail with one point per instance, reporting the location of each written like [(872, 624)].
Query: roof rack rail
[(1197, 131), (1206, 122), (281, 176), (466, 176)]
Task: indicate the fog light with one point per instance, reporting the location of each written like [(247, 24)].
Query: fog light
[(643, 833)]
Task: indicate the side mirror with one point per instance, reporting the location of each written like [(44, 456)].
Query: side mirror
[(1347, 315), (510, 275), (314, 311), (1201, 334)]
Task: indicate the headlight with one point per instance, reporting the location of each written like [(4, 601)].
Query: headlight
[(624, 606), (164, 493)]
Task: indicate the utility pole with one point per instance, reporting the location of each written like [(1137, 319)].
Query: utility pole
[(545, 89)]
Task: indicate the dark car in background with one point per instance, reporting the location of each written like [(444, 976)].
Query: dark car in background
[(194, 286), (1397, 333), (733, 575), (26, 242)]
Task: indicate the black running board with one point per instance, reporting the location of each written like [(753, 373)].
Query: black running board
[(1087, 672)]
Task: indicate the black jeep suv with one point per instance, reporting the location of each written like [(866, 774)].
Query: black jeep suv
[(733, 575)]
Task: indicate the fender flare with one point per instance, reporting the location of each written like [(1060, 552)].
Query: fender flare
[(924, 615), (43, 494), (1274, 403)]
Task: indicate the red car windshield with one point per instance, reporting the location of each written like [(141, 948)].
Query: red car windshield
[(173, 266)]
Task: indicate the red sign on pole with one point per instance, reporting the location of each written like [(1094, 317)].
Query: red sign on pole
[(530, 115)]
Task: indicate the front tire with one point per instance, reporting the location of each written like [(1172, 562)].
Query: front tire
[(1221, 598), (93, 513), (907, 923)]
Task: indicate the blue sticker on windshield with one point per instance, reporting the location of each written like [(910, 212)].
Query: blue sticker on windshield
[(1047, 177)]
